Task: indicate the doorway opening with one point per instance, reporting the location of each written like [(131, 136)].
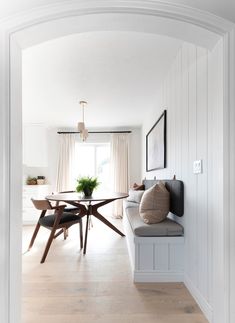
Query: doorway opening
[(16, 56)]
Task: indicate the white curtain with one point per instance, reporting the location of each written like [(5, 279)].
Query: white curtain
[(65, 181), (119, 151)]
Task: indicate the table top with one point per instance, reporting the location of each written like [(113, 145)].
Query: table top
[(79, 197)]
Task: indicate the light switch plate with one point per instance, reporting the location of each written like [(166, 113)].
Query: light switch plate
[(197, 166)]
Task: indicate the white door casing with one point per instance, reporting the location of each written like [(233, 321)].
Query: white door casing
[(34, 27)]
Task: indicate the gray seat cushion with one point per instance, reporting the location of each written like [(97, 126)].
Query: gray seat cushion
[(48, 220), (165, 228)]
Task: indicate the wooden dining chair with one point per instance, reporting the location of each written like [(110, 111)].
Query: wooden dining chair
[(74, 209), (59, 220), (68, 208)]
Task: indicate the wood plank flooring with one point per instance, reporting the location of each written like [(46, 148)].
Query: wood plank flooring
[(70, 287)]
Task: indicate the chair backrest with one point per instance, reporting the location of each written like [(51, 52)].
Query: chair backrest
[(42, 204), (58, 202)]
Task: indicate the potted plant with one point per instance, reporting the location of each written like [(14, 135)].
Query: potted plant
[(41, 180), (87, 184), (31, 180)]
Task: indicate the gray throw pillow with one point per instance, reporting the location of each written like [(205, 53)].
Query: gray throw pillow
[(155, 204), (135, 196)]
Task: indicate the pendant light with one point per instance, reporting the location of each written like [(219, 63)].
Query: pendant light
[(81, 125)]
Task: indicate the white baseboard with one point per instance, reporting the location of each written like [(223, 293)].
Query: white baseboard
[(153, 277), (201, 301)]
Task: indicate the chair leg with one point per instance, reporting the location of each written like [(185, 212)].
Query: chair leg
[(64, 230), (66, 233), (34, 236), (58, 233), (36, 230), (48, 244), (81, 234)]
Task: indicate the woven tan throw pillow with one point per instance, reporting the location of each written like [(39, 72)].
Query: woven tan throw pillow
[(155, 204)]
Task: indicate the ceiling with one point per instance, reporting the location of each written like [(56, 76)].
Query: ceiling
[(118, 73)]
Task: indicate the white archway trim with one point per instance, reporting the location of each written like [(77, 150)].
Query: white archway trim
[(116, 22), (84, 7), (9, 121)]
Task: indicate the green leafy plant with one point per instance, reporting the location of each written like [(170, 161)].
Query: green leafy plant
[(87, 184)]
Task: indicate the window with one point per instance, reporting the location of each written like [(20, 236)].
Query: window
[(93, 160)]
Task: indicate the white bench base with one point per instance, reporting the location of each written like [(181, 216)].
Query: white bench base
[(155, 259)]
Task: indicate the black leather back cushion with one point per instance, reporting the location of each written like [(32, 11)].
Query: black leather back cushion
[(176, 189)]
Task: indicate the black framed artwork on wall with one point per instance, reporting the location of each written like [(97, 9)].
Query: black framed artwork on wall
[(156, 145)]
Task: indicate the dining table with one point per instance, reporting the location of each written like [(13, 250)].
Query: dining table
[(88, 206)]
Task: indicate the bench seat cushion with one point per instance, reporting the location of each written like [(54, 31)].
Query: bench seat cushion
[(128, 204), (165, 228)]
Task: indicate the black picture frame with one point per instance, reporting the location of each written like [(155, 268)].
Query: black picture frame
[(156, 145)]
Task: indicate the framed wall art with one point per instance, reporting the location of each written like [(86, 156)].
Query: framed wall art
[(156, 145)]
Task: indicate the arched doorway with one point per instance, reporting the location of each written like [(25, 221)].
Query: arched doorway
[(53, 22)]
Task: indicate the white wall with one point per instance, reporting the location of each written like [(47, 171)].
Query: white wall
[(192, 95), (40, 152), (135, 156)]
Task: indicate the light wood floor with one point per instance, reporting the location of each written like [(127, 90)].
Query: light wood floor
[(98, 287)]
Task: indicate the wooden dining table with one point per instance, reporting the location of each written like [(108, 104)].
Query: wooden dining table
[(88, 206)]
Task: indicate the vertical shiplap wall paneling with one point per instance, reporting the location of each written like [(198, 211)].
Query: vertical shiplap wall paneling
[(166, 105), (172, 114), (169, 129), (202, 185), (163, 107), (216, 234), (192, 94), (170, 150), (185, 133), (173, 110), (178, 116), (190, 218), (164, 95), (211, 165)]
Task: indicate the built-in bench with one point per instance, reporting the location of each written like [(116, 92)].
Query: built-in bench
[(156, 250)]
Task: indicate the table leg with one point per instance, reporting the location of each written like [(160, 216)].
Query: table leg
[(86, 234), (105, 221), (93, 210)]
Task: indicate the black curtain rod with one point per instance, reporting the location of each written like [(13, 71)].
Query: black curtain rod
[(64, 132)]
